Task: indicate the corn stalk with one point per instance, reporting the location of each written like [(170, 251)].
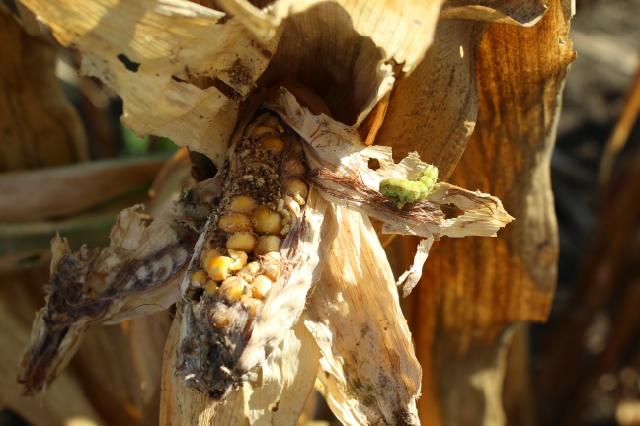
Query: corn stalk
[(278, 274)]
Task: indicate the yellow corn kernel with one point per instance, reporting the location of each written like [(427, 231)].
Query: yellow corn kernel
[(211, 287), (260, 286), (296, 188), (263, 130), (274, 145), (198, 278), (233, 288), (249, 271), (267, 244), (208, 254), (218, 267), (234, 222), (239, 259), (242, 204), (266, 220), (293, 167), (243, 241), (271, 264), (252, 306), (221, 316)]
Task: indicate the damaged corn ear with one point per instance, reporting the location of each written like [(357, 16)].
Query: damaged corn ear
[(263, 189)]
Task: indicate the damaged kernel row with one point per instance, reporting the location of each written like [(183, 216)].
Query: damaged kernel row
[(242, 261)]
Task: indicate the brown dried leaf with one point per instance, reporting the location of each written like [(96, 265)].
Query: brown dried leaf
[(515, 12), (403, 30), (433, 110), (65, 190)]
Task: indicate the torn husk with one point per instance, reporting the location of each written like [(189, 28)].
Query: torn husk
[(368, 369), (135, 275), (276, 397), (339, 163)]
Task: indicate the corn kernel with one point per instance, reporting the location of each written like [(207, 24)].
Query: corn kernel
[(263, 130), (249, 271), (233, 288), (221, 316), (234, 222), (266, 220), (239, 259), (271, 264), (293, 167), (295, 187), (252, 306), (267, 244), (274, 145), (242, 204), (198, 278), (208, 254), (211, 287), (218, 267), (261, 285), (244, 241)]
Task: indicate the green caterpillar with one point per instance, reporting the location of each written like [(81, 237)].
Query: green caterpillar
[(410, 191)]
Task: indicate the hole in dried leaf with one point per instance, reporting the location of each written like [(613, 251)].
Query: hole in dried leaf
[(128, 63), (373, 164), (201, 166), (451, 211)]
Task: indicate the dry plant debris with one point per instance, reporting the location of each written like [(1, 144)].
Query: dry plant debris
[(278, 275)]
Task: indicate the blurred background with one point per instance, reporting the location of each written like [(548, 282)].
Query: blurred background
[(584, 363)]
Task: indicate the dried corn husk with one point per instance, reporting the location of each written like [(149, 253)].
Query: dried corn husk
[(368, 370), (136, 275), (276, 397)]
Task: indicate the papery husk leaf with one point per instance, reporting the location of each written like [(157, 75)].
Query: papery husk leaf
[(277, 397), (138, 273), (515, 12), (285, 304), (433, 110), (168, 44), (368, 367), (402, 30)]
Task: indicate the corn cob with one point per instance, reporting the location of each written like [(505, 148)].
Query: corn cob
[(239, 261)]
